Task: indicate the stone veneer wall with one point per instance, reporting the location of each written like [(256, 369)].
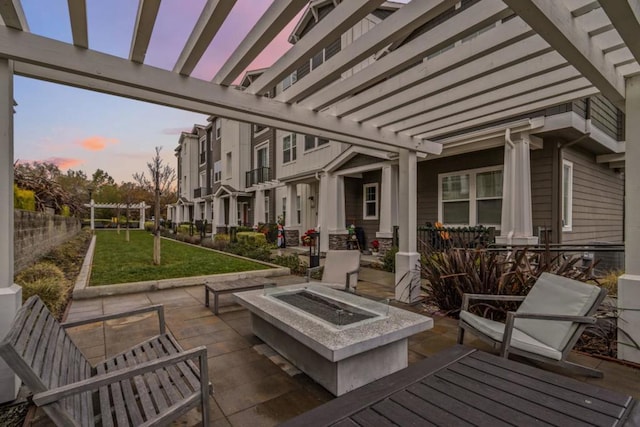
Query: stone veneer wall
[(338, 241), (385, 245), (36, 233), (292, 237)]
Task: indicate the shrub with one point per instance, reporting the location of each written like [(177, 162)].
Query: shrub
[(244, 229), (148, 225), (251, 237), (389, 259), (48, 282), (295, 264), (453, 272), (65, 211), (24, 199), (250, 250)]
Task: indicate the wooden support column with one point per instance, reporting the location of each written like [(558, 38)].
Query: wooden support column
[(10, 293), (629, 283)]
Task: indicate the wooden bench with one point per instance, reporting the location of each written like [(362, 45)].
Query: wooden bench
[(153, 383), (231, 286)]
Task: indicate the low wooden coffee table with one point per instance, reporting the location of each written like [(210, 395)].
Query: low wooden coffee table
[(231, 286)]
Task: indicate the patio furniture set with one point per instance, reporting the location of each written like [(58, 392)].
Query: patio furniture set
[(346, 343)]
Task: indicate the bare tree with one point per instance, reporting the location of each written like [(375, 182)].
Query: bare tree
[(162, 177)]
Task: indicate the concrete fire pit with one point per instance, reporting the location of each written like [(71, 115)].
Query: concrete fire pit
[(341, 340)]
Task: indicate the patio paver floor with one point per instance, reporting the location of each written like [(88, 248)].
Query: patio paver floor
[(249, 388)]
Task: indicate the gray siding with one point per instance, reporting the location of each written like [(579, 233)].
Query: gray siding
[(359, 160), (598, 200), (353, 204), (542, 186)]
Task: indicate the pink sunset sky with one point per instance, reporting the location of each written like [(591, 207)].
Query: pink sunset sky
[(84, 130)]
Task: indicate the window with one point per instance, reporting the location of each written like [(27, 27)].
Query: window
[(370, 201), (471, 197), (266, 209), (202, 179), (312, 142), (290, 80), (217, 171), (567, 195), (317, 60), (262, 156), (203, 151), (218, 128), (289, 153), (298, 210), (228, 166)]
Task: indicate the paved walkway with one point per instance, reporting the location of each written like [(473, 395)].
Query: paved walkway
[(252, 386)]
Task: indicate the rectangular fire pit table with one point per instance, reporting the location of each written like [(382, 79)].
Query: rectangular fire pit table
[(368, 342)]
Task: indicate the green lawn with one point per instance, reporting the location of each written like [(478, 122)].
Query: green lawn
[(117, 261)]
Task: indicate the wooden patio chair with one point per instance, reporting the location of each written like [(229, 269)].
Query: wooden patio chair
[(547, 324), (340, 267), (154, 383)]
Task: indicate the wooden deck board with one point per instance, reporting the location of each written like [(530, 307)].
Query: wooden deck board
[(461, 386)]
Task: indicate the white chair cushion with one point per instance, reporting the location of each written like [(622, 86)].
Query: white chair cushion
[(553, 294), (337, 264), (519, 339)]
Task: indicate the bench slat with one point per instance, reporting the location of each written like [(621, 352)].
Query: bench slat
[(23, 338), (19, 322), (175, 374), (36, 335), (52, 358), (187, 368), (152, 380), (129, 396), (142, 389), (49, 340), (105, 406), (163, 376), (118, 399)]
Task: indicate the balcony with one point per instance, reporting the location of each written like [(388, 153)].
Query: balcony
[(257, 176), (201, 192)]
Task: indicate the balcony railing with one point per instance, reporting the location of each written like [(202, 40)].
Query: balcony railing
[(201, 192), (257, 176)]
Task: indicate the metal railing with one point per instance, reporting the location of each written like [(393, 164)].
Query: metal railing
[(257, 176)]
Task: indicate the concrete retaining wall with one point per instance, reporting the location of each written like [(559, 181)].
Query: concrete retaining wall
[(36, 233)]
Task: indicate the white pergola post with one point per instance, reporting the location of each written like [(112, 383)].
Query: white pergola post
[(322, 208), (10, 293), (233, 211), (335, 208), (258, 209), (388, 202), (517, 222), (291, 208), (629, 283), (93, 216), (407, 277), (142, 213)]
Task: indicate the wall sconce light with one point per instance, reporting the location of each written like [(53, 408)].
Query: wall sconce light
[(312, 202)]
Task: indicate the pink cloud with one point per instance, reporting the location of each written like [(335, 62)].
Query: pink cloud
[(96, 143), (63, 162)]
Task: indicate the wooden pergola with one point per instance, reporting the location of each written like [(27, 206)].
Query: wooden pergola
[(140, 206), (511, 57)]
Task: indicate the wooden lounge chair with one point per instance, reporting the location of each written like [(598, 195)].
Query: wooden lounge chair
[(153, 383), (339, 267), (547, 324)]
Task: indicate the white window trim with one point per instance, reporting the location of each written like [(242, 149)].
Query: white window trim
[(364, 201), (473, 214), (290, 79), (219, 173), (565, 226), (202, 143), (324, 59), (218, 128)]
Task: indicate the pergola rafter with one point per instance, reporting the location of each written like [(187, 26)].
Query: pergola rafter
[(78, 17), (145, 21)]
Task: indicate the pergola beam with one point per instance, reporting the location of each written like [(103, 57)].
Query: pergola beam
[(506, 112), (275, 18), (13, 15), (479, 47), (625, 16), (213, 15), (517, 61), (554, 22), (459, 26), (339, 20), (399, 25), (498, 86), (145, 21), (32, 49), (78, 17)]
